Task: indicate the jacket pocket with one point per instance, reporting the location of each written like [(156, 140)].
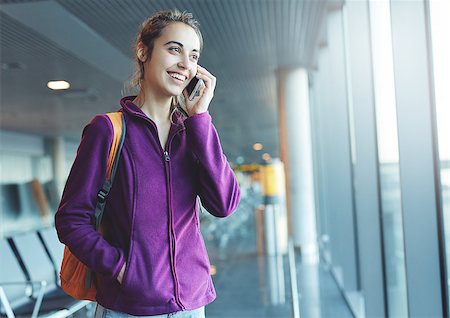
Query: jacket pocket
[(197, 214), (130, 288), (128, 266), (144, 282)]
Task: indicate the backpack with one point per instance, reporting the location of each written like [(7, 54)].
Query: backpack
[(77, 278)]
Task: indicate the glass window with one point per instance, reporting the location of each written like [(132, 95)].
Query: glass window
[(388, 158), (440, 24)]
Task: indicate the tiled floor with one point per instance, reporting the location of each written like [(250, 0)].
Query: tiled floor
[(242, 286)]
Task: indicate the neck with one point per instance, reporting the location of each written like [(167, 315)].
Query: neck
[(155, 106)]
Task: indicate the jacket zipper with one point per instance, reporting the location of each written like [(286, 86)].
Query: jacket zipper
[(166, 159), (171, 229)]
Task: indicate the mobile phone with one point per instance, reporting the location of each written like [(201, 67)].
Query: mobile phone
[(193, 88)]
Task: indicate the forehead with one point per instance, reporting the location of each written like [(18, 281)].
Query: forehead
[(182, 33)]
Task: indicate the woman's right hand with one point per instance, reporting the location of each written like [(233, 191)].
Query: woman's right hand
[(120, 276)]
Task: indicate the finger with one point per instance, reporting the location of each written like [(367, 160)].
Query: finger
[(205, 71), (185, 94), (202, 69), (207, 81), (210, 82), (203, 77), (202, 90)]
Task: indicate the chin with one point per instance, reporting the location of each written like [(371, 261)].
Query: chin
[(176, 92), (170, 91)]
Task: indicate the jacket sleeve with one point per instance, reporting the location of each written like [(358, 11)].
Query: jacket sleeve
[(74, 219), (219, 189)]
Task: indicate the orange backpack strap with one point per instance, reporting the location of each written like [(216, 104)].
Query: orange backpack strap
[(118, 123)]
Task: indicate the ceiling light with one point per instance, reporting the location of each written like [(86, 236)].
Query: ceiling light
[(57, 85), (212, 270), (266, 156), (257, 146)]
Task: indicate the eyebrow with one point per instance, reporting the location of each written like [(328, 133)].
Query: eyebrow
[(178, 43)]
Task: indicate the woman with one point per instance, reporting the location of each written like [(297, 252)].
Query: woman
[(152, 261)]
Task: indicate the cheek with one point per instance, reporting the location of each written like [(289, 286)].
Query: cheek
[(150, 72), (168, 59), (154, 69)]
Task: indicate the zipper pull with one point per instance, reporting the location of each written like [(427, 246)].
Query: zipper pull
[(166, 156)]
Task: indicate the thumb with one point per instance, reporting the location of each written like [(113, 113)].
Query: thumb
[(185, 94)]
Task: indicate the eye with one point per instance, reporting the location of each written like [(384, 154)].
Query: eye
[(195, 57), (174, 48)]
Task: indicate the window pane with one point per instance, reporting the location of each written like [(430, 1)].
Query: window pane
[(440, 24), (388, 158)]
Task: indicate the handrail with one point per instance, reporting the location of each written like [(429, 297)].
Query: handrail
[(293, 278)]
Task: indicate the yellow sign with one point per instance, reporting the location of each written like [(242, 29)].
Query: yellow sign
[(272, 179)]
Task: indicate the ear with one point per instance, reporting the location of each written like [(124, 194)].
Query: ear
[(140, 52)]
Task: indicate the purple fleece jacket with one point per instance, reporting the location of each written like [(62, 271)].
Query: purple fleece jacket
[(151, 214)]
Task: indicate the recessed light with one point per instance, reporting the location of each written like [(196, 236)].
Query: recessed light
[(213, 270), (266, 156), (257, 146), (57, 85)]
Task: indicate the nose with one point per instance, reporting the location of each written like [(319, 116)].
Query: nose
[(185, 63)]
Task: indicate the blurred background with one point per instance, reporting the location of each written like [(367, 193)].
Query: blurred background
[(334, 115)]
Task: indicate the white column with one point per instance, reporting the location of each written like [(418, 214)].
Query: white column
[(299, 154), (57, 148)]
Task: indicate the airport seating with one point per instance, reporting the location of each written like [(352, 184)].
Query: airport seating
[(28, 283), (54, 248), (20, 208), (10, 200), (14, 286), (28, 201), (31, 257)]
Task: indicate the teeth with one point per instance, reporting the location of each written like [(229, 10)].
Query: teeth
[(178, 76)]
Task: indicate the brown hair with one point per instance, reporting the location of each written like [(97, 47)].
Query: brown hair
[(150, 30)]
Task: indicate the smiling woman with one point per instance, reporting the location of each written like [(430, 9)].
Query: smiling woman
[(150, 259), (174, 52), (173, 36)]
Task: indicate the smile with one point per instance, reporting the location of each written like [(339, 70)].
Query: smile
[(179, 77)]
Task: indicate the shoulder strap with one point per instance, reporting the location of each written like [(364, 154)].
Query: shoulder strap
[(118, 123), (119, 128)]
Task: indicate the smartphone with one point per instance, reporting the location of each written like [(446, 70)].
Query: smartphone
[(193, 88)]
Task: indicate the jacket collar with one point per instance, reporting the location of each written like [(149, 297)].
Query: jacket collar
[(132, 109)]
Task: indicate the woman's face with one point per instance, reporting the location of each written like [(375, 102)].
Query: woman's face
[(174, 60)]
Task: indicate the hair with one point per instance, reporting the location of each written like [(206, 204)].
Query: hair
[(150, 30)]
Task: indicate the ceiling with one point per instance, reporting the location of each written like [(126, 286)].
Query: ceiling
[(89, 44)]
